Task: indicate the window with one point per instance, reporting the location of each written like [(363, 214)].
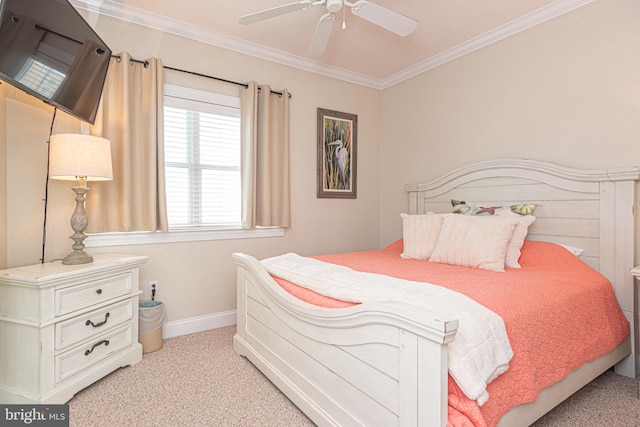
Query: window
[(202, 167), (202, 158)]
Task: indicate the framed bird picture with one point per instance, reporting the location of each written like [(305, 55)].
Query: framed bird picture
[(337, 154)]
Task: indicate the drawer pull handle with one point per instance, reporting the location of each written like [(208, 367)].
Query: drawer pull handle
[(105, 342), (97, 325), (98, 291)]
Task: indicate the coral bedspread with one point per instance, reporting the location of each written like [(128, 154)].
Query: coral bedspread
[(559, 314)]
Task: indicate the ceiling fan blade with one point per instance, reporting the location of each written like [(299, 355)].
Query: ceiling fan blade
[(321, 36), (252, 18), (386, 18)]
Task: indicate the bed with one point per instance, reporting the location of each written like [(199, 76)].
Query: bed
[(387, 362)]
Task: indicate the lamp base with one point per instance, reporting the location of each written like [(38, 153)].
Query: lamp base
[(77, 257), (79, 223)]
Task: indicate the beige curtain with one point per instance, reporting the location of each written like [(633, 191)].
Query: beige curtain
[(131, 117), (265, 157)]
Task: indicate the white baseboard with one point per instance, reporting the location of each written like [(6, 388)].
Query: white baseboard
[(198, 324)]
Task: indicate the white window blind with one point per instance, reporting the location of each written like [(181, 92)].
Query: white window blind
[(202, 158)]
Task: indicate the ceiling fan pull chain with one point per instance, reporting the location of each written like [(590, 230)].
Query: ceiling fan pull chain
[(344, 19)]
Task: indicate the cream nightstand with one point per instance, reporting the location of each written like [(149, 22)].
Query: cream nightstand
[(63, 327)]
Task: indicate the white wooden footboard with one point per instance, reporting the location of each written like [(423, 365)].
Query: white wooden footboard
[(371, 364)]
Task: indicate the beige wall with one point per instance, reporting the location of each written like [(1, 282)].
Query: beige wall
[(197, 279), (566, 91)]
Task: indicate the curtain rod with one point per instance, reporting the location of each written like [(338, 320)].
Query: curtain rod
[(146, 64)]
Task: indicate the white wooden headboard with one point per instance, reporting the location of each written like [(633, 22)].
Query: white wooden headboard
[(590, 209)]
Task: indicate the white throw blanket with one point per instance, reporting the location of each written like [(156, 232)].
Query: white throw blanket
[(480, 351)]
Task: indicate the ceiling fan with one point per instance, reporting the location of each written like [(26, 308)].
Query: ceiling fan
[(374, 13)]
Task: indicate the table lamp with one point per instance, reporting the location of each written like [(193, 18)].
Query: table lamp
[(82, 158)]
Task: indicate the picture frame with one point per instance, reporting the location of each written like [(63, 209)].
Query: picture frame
[(337, 154)]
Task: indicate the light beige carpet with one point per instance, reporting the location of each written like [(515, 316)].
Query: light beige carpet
[(197, 380)]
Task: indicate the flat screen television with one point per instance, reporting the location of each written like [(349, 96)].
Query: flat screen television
[(48, 50)]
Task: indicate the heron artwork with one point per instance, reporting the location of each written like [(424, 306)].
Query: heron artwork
[(341, 155), (337, 139), (338, 158)]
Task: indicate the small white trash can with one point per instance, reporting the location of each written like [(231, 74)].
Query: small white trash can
[(150, 320)]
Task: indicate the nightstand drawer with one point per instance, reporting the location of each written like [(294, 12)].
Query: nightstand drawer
[(81, 296), (92, 324), (91, 352)]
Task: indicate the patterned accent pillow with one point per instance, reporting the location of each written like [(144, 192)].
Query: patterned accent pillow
[(467, 208)]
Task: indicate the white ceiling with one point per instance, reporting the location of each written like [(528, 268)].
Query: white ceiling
[(362, 53)]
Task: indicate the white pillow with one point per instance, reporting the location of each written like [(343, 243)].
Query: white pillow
[(576, 251), (517, 240), (474, 241), (420, 234), (524, 213)]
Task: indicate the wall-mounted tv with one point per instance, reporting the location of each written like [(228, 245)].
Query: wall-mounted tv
[(48, 50)]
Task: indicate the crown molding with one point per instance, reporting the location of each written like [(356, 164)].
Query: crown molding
[(120, 11)]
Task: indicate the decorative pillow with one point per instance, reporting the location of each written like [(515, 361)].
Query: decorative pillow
[(472, 241), (517, 240), (524, 213), (420, 234), (576, 251), (467, 208)]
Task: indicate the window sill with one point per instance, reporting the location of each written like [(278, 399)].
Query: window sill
[(158, 237)]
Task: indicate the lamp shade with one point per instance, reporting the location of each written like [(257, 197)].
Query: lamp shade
[(77, 155)]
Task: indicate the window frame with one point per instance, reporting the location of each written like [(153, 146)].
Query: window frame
[(182, 234), (98, 240)]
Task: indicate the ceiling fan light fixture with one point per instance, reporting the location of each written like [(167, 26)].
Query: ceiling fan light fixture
[(374, 13), (334, 6)]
